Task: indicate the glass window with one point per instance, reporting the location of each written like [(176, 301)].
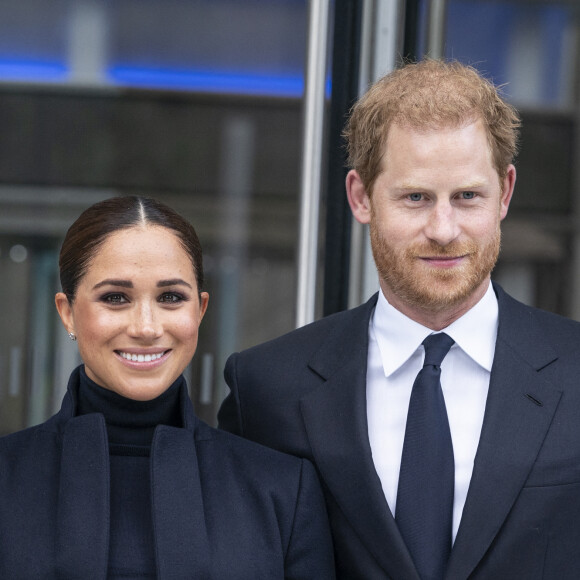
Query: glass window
[(196, 103), (531, 48), (528, 46)]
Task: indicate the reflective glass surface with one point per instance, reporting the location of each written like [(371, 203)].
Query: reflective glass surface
[(194, 102)]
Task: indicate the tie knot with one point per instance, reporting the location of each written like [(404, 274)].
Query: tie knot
[(436, 348)]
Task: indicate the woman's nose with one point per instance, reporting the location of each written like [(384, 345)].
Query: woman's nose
[(145, 323)]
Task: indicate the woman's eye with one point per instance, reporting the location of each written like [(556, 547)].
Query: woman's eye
[(416, 196), (114, 299), (171, 298), (468, 194)]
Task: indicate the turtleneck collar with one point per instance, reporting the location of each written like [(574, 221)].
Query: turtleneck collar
[(129, 422)]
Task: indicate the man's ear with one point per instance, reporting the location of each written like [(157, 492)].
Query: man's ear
[(508, 185), (65, 311), (358, 199)]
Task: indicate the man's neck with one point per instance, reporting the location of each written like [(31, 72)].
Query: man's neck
[(440, 318)]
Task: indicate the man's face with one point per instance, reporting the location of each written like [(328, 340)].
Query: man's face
[(434, 217)]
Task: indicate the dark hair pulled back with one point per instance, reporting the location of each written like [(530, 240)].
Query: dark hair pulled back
[(95, 224)]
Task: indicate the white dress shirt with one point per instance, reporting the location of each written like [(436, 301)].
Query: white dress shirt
[(394, 359)]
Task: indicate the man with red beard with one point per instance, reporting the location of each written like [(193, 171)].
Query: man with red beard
[(442, 415)]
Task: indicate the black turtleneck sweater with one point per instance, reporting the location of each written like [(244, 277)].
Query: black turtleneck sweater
[(130, 427)]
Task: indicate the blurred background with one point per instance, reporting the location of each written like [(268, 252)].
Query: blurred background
[(204, 104)]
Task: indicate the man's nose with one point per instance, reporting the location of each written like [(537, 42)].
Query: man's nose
[(442, 224)]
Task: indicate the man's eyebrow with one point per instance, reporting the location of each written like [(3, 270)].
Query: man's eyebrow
[(472, 185), (112, 282), (173, 282), (408, 186)]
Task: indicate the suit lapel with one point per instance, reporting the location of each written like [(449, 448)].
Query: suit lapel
[(336, 422), (519, 410), (82, 533), (177, 505)]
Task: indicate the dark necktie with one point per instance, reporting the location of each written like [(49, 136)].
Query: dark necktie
[(424, 508)]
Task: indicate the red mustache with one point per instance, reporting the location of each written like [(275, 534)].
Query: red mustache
[(432, 250)]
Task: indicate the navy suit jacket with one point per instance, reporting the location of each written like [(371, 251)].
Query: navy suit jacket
[(223, 507), (305, 393)]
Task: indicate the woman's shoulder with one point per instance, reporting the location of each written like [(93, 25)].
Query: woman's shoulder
[(28, 436), (226, 451), (26, 454), (47, 433), (235, 444)]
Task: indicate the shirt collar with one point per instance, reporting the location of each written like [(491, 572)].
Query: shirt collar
[(398, 337)]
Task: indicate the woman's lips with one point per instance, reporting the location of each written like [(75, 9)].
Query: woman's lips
[(142, 359)]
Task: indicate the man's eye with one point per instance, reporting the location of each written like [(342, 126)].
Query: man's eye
[(468, 194), (416, 196)]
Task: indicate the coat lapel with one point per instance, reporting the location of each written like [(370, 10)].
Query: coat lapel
[(336, 422), (82, 536), (82, 533), (519, 410), (177, 506)]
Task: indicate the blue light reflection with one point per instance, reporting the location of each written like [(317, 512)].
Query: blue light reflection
[(33, 71), (207, 81), (212, 81)]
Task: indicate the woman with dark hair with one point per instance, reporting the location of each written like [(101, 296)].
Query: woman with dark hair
[(125, 481)]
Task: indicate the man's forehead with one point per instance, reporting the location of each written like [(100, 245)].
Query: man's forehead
[(408, 146), (433, 126)]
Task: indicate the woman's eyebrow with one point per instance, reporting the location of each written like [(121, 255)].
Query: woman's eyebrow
[(173, 282), (109, 282)]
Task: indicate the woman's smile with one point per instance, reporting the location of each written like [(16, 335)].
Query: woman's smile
[(137, 312), (141, 357), (143, 361)]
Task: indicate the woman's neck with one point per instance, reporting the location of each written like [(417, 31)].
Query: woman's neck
[(130, 422)]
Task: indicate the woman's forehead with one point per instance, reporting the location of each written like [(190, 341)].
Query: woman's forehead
[(137, 249)]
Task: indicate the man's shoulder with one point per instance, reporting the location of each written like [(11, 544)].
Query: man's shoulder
[(517, 317), (283, 369), (508, 303), (341, 325)]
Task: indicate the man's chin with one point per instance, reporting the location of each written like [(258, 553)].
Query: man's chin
[(435, 302), (437, 293)]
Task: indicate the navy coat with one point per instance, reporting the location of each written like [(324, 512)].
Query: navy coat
[(305, 393), (222, 507)]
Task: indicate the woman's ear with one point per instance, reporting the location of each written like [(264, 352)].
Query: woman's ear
[(65, 311), (203, 302)]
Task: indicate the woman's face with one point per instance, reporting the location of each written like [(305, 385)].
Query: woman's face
[(136, 313)]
